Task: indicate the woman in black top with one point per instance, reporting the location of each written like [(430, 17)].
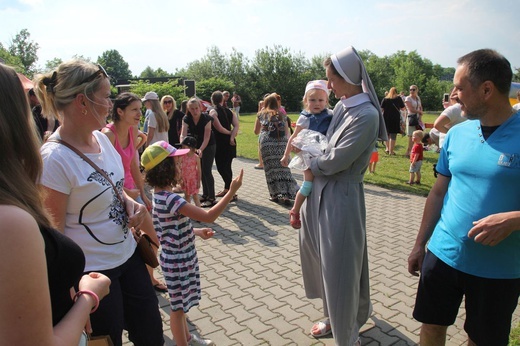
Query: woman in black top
[(174, 118), (392, 105), (197, 124), (225, 125), (37, 307)]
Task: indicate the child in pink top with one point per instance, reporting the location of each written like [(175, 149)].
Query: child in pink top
[(190, 168)]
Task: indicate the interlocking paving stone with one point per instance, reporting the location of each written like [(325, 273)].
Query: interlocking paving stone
[(252, 290)]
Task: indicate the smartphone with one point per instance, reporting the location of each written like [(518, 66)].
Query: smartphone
[(446, 97)]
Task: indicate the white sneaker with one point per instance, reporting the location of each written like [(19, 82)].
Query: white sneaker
[(198, 341)]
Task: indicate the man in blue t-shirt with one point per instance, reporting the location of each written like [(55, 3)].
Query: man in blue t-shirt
[(471, 219)]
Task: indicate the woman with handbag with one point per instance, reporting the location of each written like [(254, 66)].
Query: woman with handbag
[(414, 117), (123, 133), (83, 178), (392, 105), (39, 307)]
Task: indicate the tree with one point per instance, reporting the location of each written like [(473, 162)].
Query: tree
[(52, 64), (11, 60), (206, 87), (25, 49), (115, 65), (149, 72), (278, 70)]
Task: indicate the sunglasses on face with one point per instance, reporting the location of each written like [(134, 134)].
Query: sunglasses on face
[(412, 89), (167, 101), (100, 71)]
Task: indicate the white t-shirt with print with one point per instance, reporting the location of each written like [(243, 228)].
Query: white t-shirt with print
[(94, 219)]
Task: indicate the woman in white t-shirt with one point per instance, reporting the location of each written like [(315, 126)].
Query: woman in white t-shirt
[(158, 124), (413, 106), (85, 206)]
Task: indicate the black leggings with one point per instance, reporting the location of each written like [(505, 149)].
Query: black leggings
[(206, 165)]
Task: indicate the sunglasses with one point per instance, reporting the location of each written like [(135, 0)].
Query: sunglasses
[(412, 89), (100, 71), (167, 101)]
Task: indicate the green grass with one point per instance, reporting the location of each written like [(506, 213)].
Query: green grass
[(391, 171), (514, 337)]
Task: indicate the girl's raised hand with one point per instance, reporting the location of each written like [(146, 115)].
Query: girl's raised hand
[(237, 182)]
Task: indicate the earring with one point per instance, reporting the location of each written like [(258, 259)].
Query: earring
[(84, 111)]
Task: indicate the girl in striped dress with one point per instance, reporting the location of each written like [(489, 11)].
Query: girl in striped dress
[(171, 217)]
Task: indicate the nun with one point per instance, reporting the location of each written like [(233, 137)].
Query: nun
[(333, 245)]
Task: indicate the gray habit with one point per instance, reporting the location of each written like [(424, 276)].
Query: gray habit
[(333, 246)]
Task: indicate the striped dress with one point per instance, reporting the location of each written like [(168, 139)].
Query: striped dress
[(178, 258)]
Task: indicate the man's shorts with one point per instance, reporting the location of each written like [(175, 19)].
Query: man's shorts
[(490, 303), (416, 168)]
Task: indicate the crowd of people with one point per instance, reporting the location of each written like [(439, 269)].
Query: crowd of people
[(80, 196)]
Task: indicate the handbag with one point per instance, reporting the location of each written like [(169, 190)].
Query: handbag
[(144, 242), (144, 246), (413, 120)]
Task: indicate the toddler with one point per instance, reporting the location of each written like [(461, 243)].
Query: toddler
[(416, 157), (374, 159), (190, 171), (171, 217), (316, 116)]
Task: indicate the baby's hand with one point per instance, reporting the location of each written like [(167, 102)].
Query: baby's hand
[(204, 233)]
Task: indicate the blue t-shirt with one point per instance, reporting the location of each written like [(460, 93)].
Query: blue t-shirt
[(316, 122), (485, 179)]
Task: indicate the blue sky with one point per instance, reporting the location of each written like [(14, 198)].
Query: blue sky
[(170, 34)]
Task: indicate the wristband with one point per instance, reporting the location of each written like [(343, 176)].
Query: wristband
[(90, 293)]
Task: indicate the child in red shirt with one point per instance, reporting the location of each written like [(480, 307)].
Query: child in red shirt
[(416, 158)]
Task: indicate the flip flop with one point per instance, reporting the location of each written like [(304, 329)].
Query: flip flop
[(324, 329)]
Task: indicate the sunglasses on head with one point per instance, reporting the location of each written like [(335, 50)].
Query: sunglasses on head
[(167, 101), (100, 71)]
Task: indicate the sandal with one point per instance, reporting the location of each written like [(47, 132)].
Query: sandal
[(208, 203), (222, 193), (294, 219), (323, 328), (234, 198), (203, 198), (273, 199)]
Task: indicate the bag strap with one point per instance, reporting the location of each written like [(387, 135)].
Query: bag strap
[(89, 161), (102, 172)]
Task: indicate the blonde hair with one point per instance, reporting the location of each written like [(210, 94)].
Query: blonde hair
[(57, 89), (174, 104), (392, 93), (305, 102), (418, 133), (192, 101), (20, 162), (162, 120)]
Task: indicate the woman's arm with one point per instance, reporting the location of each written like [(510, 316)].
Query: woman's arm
[(138, 180), (56, 203), (151, 131), (234, 132), (216, 123), (184, 131), (207, 136), (257, 125), (25, 307)]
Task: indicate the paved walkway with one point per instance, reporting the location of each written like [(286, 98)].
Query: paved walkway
[(252, 290)]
